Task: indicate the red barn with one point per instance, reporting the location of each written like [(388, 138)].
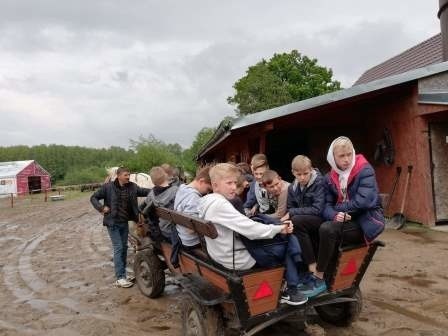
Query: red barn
[(21, 177)]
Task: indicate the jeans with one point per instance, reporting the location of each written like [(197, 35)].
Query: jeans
[(118, 233), (272, 252)]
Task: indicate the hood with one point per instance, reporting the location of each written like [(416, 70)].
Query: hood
[(332, 162), (206, 201), (184, 191)]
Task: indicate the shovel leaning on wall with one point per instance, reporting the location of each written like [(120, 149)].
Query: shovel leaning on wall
[(398, 220)]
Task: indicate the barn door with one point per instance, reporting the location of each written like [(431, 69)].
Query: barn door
[(439, 153), (34, 185)]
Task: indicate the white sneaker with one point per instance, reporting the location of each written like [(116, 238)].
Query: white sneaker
[(123, 283), (130, 277)]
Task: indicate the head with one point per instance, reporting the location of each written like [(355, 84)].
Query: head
[(301, 168), (259, 164), (343, 153), (123, 175), (159, 177), (242, 183), (272, 182), (224, 178), (244, 167), (168, 169), (202, 181)]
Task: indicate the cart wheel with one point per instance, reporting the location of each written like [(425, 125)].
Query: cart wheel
[(200, 320), (149, 273), (341, 314)]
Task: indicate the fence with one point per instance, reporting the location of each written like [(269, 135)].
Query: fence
[(12, 200)]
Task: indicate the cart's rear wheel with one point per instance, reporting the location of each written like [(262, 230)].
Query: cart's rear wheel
[(341, 314), (149, 273), (200, 320)]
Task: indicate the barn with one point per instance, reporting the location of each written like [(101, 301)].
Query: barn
[(396, 114), (22, 177)]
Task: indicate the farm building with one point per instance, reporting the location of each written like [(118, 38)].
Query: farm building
[(396, 114), (21, 177)]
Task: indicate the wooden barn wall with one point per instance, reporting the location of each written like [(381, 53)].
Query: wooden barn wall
[(363, 121), (32, 170)]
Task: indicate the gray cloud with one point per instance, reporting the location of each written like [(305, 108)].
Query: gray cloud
[(98, 73)]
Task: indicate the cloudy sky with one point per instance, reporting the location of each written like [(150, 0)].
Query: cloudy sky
[(100, 72)]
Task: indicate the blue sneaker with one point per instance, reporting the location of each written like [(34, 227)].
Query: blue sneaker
[(306, 281), (318, 286)]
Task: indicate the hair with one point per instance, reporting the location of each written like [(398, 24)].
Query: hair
[(168, 169), (122, 170), (222, 170), (301, 162), (269, 176), (244, 167), (259, 160), (158, 175), (342, 141), (203, 173)]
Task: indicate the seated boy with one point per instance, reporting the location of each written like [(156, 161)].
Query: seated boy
[(278, 192), (162, 195), (186, 201), (227, 249), (258, 200), (305, 202)]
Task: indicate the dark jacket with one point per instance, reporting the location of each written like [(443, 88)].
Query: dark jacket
[(363, 202), (310, 200), (108, 193)]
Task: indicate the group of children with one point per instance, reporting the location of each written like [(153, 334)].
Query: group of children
[(298, 224)]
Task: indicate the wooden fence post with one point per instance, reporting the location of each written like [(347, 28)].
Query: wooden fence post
[(12, 200)]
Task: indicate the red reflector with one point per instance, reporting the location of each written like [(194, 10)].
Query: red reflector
[(264, 290), (350, 268)]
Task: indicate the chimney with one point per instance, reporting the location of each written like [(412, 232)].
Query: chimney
[(443, 16)]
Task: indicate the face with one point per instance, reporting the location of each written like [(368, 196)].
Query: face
[(302, 176), (123, 177), (258, 173), (204, 187), (225, 186), (343, 156), (274, 188)]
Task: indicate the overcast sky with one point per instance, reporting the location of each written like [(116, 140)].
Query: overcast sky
[(100, 72)]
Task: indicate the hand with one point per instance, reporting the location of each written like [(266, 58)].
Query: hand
[(105, 210), (288, 227), (285, 217), (343, 217), (253, 211)]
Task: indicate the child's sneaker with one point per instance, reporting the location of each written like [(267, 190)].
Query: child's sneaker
[(123, 283), (318, 286), (130, 277), (293, 296)]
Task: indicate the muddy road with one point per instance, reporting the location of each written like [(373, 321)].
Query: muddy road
[(56, 276)]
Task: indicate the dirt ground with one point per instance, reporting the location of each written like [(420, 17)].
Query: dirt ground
[(56, 276)]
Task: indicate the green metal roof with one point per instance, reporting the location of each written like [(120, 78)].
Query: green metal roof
[(329, 98)]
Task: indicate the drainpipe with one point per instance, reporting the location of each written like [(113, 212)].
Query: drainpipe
[(443, 16)]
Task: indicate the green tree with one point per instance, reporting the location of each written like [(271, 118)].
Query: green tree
[(284, 79)]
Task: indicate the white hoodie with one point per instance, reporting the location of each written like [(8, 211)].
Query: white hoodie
[(217, 209)]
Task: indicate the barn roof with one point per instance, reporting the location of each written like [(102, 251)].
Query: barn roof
[(423, 54), (12, 168), (324, 100)]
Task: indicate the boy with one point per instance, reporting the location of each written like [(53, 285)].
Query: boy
[(277, 190), (306, 198), (162, 195), (228, 249), (186, 201), (258, 200)]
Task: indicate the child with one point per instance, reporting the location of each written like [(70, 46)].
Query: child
[(306, 198), (162, 195), (278, 192), (257, 197), (352, 202), (228, 249), (186, 201)]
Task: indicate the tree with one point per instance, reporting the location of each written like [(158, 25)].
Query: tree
[(284, 79), (190, 154)]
